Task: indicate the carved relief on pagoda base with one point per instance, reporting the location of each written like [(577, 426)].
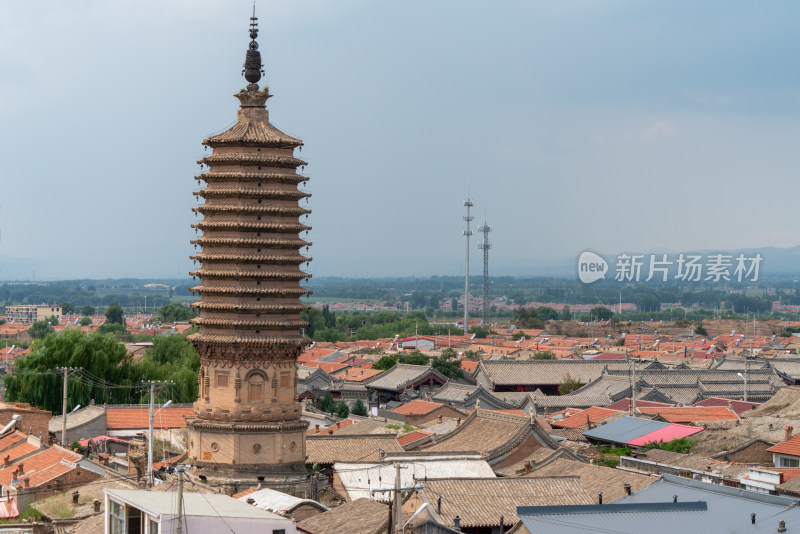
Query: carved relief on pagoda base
[(247, 446), (232, 352), (271, 413)]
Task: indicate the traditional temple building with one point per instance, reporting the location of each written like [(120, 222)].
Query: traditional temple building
[(247, 420)]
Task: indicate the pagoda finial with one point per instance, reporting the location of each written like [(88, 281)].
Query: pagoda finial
[(252, 63)]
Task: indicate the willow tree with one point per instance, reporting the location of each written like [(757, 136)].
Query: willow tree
[(105, 375)]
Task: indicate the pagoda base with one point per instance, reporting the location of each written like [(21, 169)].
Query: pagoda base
[(245, 451)]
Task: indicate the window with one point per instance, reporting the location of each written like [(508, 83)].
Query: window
[(279, 531), (255, 389), (222, 379), (117, 518), (790, 462), (153, 526)]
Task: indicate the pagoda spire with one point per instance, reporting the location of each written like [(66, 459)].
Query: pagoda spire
[(252, 62)]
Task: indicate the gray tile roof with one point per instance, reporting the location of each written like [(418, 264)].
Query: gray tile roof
[(453, 392), (534, 372), (401, 376)]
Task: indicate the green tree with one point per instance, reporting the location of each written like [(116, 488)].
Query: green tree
[(67, 308), (565, 314), (600, 313), (700, 330), (326, 403), (568, 385), (359, 408), (447, 363), (40, 329), (385, 362), (544, 355), (342, 410), (172, 358), (545, 313), (85, 321), (114, 314), (173, 313), (88, 310), (35, 380)]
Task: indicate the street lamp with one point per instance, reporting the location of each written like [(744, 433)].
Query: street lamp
[(744, 377)]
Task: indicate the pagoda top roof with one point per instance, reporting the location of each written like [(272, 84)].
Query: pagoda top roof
[(252, 125)]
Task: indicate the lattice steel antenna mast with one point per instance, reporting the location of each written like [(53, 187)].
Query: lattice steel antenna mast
[(467, 233), (485, 245)]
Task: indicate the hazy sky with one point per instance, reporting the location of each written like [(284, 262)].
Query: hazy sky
[(610, 125)]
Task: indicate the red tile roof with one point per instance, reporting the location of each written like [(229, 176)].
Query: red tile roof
[(12, 439), (328, 367), (593, 414), (412, 437), (138, 418), (357, 374), (417, 407), (736, 405), (689, 414), (41, 466), (469, 365), (790, 447)]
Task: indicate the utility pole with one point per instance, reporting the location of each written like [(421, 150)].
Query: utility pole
[(485, 245), (179, 525), (66, 371), (150, 434), (633, 387), (395, 506), (398, 515), (467, 204)]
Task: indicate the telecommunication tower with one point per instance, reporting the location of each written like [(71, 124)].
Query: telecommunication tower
[(485, 245), (467, 233)]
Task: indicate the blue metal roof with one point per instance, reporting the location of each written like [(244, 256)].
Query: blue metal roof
[(624, 430), (700, 508)]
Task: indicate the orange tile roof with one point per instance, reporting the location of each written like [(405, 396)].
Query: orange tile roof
[(328, 367), (12, 439), (689, 414), (417, 407), (593, 414), (411, 437), (357, 374), (790, 447), (41, 466), (469, 365), (138, 418)]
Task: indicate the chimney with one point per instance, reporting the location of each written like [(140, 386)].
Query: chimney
[(338, 424), (439, 505), (316, 427), (674, 498), (7, 460), (753, 519), (457, 523), (781, 526), (789, 429), (627, 489), (21, 469), (26, 482), (600, 498), (527, 466), (96, 504), (458, 422), (76, 496), (440, 418)]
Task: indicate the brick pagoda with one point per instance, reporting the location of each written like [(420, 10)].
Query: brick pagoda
[(247, 419)]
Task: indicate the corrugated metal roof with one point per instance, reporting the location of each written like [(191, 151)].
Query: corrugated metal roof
[(359, 479), (666, 518), (624, 430), (651, 510), (668, 433)]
